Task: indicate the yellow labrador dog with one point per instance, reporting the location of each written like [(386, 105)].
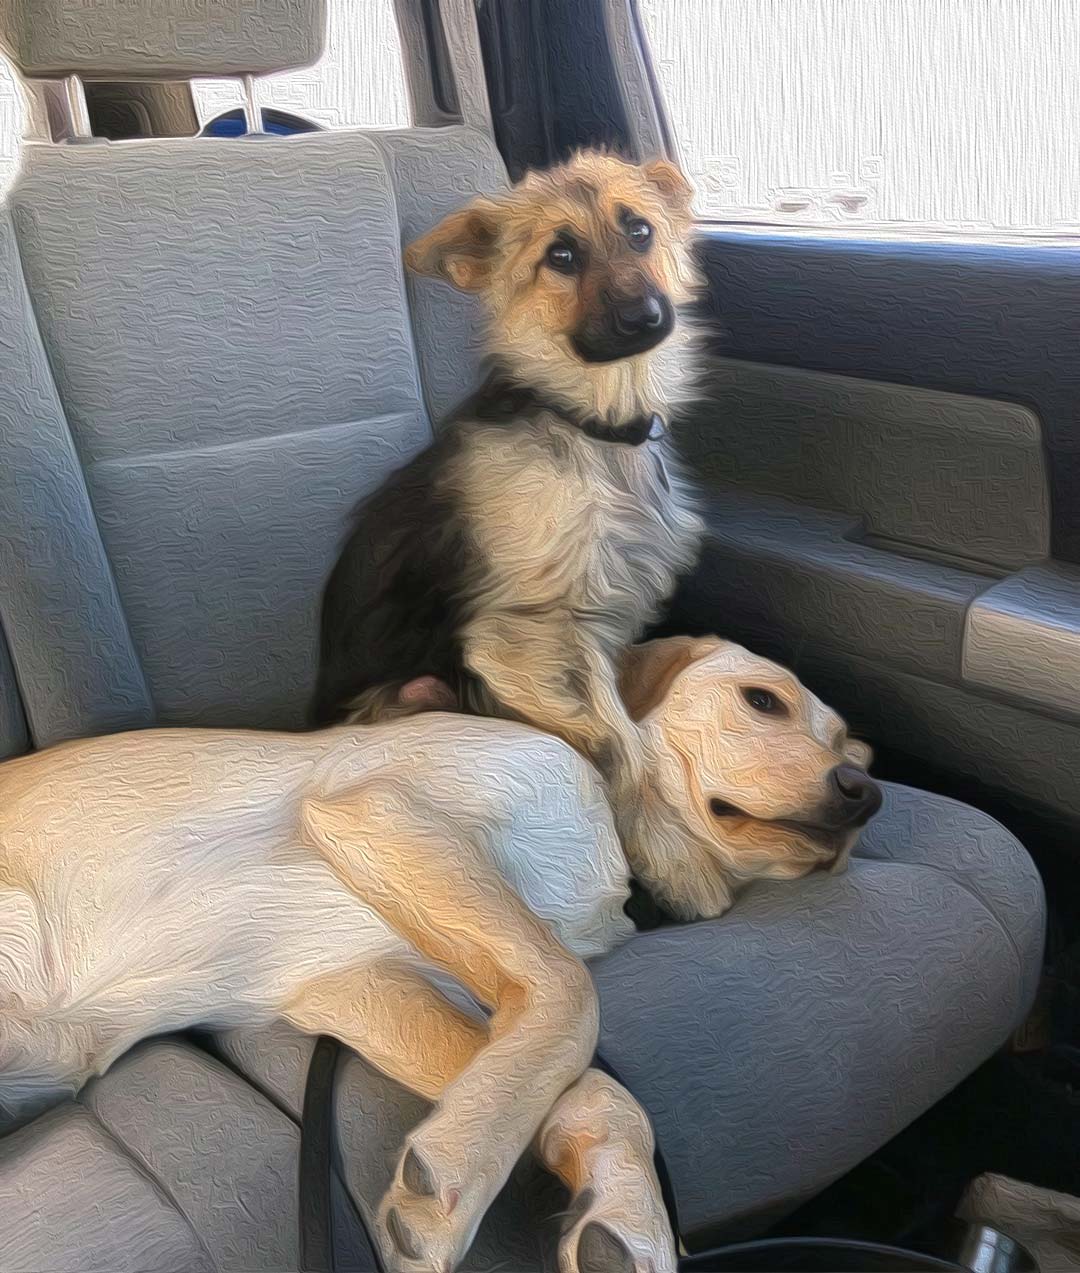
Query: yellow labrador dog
[(159, 880)]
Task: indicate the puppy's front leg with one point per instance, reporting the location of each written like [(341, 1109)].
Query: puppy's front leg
[(545, 669)]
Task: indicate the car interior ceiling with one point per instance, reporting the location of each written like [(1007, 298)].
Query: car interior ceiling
[(875, 337)]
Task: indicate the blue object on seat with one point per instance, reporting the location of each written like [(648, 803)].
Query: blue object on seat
[(280, 123)]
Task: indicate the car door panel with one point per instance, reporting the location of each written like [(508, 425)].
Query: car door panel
[(1022, 639), (886, 433), (942, 473)]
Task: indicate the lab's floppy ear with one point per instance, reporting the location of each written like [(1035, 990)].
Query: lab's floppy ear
[(674, 189), (647, 671), (461, 248)]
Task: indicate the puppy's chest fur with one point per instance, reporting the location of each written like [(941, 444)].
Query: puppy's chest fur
[(511, 513), (560, 520)]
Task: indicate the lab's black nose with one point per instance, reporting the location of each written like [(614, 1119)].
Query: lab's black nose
[(641, 314), (854, 796)]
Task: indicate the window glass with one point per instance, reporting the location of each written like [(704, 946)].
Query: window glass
[(12, 123), (358, 82), (950, 114)]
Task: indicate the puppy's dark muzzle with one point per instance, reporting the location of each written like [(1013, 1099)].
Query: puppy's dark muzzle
[(626, 327), (853, 799)]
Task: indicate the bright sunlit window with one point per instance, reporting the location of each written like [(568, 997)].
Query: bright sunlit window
[(358, 82), (12, 120), (957, 115)]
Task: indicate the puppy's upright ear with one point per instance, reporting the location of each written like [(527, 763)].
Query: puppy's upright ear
[(460, 249), (674, 189), (648, 670)]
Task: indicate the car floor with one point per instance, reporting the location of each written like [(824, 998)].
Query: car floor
[(1018, 1115)]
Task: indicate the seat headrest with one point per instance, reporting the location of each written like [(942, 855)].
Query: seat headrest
[(161, 39)]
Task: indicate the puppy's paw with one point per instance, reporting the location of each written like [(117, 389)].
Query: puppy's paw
[(428, 694)]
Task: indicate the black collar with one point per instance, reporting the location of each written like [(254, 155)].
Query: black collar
[(642, 428), (503, 399)]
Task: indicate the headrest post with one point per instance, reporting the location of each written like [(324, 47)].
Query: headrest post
[(78, 114), (252, 114)]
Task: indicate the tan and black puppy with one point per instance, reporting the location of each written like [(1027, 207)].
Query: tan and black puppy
[(519, 555)]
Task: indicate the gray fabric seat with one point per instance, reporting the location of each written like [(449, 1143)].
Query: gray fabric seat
[(208, 353)]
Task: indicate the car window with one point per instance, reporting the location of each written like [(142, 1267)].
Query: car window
[(358, 82), (949, 114), (12, 122)]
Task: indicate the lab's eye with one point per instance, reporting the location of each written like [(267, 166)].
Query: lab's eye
[(763, 701), (563, 258), (724, 809), (639, 233)]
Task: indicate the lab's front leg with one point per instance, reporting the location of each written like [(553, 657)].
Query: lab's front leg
[(596, 1138), (598, 1141), (438, 889)]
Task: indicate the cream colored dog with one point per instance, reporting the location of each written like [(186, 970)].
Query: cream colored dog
[(160, 880)]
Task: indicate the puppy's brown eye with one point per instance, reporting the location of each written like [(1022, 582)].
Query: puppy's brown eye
[(639, 233), (763, 701), (562, 258)]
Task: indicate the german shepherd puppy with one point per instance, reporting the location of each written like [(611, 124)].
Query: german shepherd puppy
[(517, 557)]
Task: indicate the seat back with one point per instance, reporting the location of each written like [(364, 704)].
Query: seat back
[(213, 357)]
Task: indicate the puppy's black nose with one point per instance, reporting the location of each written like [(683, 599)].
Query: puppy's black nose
[(854, 796), (641, 314)]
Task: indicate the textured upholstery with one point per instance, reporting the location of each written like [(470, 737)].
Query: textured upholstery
[(169, 1163), (76, 1200), (777, 1048), (427, 190), (227, 1156), (228, 330), (66, 633), (165, 39), (14, 738)]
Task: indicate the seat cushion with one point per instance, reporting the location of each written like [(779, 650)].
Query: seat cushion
[(435, 170), (74, 1198), (229, 334), (169, 1163), (205, 371), (226, 1156), (778, 1047)]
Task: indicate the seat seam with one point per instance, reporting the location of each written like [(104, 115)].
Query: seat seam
[(277, 1101), (146, 1170), (192, 452)]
